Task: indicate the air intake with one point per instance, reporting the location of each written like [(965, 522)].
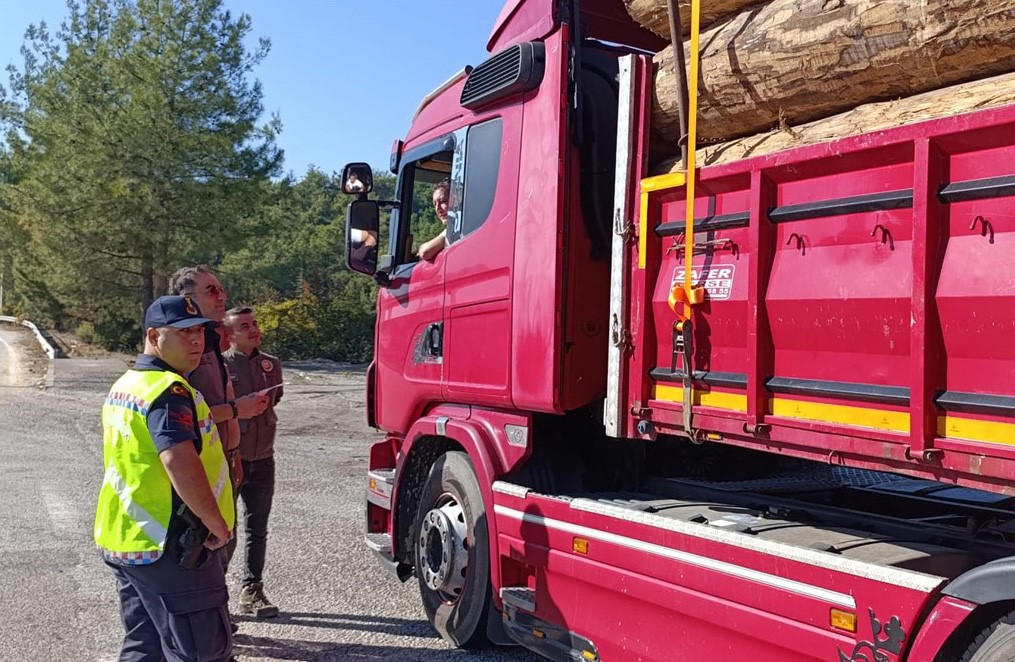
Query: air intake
[(512, 71)]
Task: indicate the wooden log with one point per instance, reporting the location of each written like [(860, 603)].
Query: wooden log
[(800, 60), (955, 100), (653, 14)]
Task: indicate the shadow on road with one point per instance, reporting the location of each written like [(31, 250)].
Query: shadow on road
[(301, 650), (396, 626), (321, 651)]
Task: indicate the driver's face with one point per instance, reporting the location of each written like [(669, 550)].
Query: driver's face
[(440, 204)]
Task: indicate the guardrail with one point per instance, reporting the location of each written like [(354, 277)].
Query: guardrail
[(51, 351)]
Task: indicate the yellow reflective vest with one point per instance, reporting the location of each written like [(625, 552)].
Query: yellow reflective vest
[(136, 497)]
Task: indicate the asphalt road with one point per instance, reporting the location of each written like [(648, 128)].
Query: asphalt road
[(57, 600)]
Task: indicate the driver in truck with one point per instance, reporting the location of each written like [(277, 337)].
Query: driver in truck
[(430, 249)]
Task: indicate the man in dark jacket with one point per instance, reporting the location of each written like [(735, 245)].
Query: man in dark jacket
[(211, 377), (253, 371)]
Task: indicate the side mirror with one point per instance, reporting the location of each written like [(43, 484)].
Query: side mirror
[(357, 178), (362, 226)]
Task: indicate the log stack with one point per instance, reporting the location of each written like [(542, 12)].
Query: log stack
[(963, 98), (785, 63), (653, 14)]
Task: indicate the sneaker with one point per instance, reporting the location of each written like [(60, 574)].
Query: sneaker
[(254, 601)]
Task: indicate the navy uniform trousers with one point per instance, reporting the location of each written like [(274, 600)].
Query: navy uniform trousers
[(174, 614)]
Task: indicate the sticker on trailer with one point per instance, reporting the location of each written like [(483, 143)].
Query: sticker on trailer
[(717, 280)]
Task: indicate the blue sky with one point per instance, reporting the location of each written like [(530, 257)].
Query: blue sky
[(344, 75)]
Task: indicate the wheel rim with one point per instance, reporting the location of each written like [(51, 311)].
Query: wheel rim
[(442, 548)]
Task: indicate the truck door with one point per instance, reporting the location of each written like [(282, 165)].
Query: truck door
[(479, 257), (409, 354), (445, 322)]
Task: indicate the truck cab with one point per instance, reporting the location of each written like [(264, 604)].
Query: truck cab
[(511, 313)]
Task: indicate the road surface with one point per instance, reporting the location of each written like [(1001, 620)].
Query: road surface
[(58, 599)]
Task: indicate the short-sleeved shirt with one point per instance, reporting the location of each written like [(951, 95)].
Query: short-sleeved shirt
[(210, 376), (172, 417), (249, 374)]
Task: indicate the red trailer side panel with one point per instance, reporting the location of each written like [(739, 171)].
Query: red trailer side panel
[(860, 301)]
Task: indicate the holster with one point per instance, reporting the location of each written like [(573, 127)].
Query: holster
[(189, 550)]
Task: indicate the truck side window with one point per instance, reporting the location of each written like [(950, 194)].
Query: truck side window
[(482, 163), (418, 181), (468, 161)]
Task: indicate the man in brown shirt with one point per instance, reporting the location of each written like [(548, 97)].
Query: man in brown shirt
[(211, 377), (252, 371)]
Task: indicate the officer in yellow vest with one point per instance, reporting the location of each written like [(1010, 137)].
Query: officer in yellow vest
[(161, 452)]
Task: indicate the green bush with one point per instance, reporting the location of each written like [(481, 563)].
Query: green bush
[(86, 333), (289, 327), (336, 325)]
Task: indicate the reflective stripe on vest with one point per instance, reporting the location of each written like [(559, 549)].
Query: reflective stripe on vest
[(153, 529), (135, 500)]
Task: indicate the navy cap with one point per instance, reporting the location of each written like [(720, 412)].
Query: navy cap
[(174, 311)]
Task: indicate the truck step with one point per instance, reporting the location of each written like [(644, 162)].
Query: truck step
[(387, 475), (519, 597), (380, 484), (379, 542), (549, 640)]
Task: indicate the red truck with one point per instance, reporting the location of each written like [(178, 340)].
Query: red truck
[(815, 462)]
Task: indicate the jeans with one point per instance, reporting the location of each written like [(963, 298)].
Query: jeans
[(257, 490)]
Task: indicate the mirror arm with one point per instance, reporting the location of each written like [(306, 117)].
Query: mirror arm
[(383, 274)]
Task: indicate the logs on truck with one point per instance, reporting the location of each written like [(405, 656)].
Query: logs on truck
[(785, 63), (653, 14), (955, 100)]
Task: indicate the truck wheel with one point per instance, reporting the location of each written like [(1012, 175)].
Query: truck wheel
[(452, 552), (995, 643)]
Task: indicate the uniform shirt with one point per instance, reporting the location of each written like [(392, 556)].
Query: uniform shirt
[(253, 373), (172, 418), (210, 376)]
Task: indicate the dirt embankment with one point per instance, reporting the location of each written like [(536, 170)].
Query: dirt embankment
[(22, 361)]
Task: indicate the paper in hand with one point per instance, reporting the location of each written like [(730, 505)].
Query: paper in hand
[(265, 391)]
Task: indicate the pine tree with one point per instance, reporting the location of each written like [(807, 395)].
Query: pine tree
[(135, 127)]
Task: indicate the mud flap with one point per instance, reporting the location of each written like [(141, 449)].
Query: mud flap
[(495, 628)]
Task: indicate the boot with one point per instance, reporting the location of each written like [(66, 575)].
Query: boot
[(254, 601)]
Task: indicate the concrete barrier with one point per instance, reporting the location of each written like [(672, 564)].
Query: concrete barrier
[(51, 351)]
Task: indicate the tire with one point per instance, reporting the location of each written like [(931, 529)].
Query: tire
[(452, 552), (995, 643)]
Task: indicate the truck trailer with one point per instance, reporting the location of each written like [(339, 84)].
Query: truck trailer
[(774, 422)]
